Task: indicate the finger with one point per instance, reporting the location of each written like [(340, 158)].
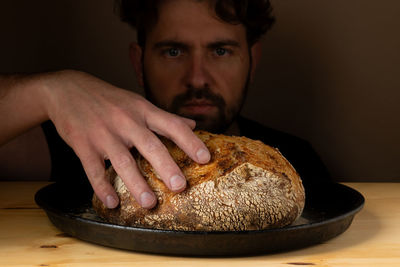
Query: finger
[(191, 123), (151, 148), (175, 129), (126, 167), (95, 170)]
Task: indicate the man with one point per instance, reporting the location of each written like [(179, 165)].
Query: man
[(193, 58)]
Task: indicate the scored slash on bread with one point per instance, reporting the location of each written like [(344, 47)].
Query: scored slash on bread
[(247, 185)]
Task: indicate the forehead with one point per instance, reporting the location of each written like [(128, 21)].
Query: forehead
[(192, 20)]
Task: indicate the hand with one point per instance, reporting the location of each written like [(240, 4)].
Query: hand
[(100, 121)]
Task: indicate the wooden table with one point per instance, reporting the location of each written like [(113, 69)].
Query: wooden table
[(27, 237)]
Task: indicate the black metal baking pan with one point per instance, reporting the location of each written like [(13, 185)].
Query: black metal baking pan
[(328, 212)]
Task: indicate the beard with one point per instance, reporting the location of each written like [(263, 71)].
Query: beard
[(218, 122)]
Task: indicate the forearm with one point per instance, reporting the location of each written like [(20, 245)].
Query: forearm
[(21, 104), (98, 120)]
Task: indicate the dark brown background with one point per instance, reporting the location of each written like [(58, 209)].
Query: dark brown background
[(330, 71)]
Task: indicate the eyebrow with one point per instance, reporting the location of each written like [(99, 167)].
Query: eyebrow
[(169, 43), (220, 43), (216, 44)]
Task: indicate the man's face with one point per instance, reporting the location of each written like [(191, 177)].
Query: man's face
[(196, 65)]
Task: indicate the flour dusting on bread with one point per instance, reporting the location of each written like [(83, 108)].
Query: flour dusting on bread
[(247, 185)]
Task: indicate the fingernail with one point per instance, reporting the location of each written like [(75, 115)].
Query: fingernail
[(177, 183), (203, 155), (111, 202), (147, 200)]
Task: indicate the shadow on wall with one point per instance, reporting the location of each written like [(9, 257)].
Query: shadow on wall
[(330, 71), (50, 35), (331, 74)]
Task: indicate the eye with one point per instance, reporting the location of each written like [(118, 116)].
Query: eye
[(173, 52), (220, 51)]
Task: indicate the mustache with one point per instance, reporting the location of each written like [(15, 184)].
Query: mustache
[(197, 93)]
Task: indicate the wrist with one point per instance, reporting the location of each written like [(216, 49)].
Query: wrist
[(33, 91)]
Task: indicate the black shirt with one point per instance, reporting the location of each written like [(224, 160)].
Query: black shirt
[(66, 166), (296, 150)]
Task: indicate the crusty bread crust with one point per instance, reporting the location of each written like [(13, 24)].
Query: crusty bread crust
[(247, 185)]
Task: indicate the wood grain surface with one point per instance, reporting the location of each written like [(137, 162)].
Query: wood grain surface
[(27, 237)]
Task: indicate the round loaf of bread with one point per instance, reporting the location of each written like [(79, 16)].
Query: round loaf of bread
[(247, 185)]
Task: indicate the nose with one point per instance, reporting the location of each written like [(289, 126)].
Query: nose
[(197, 72)]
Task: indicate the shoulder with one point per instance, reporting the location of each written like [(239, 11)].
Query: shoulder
[(269, 136), (296, 150)]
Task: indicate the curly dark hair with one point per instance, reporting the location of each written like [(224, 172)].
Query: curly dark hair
[(255, 15)]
